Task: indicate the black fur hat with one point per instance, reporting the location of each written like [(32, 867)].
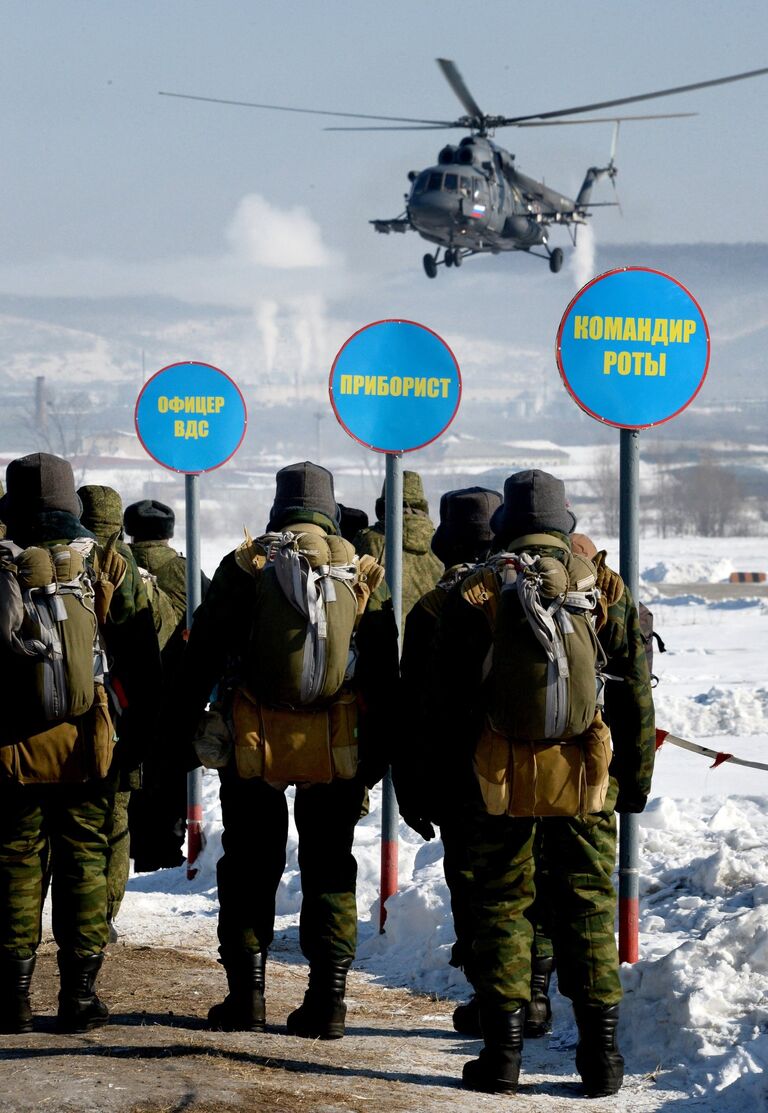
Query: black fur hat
[(351, 521), (149, 520), (465, 524)]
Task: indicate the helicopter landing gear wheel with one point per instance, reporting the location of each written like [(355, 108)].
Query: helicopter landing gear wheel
[(556, 260), (448, 257), (457, 260), (430, 266)]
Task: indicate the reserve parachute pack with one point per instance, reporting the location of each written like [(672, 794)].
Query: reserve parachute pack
[(543, 682), (294, 713), (53, 600)]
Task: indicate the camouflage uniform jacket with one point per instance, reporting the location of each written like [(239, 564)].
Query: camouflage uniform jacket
[(170, 570), (421, 568), (628, 708), (219, 639), (422, 778)]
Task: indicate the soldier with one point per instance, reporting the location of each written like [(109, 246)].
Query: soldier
[(351, 522), (233, 639), (102, 515), (425, 795), (421, 568), (578, 850), (58, 782), (157, 812)]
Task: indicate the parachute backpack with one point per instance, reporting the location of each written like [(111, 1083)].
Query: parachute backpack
[(52, 602), (294, 713), (542, 678)]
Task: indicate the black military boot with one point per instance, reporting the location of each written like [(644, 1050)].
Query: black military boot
[(322, 1013), (497, 1069), (538, 1013), (79, 1007), (243, 1009), (466, 1018), (15, 1009), (598, 1059)]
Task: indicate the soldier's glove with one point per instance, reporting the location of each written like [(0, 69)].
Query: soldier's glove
[(420, 825), (110, 573)]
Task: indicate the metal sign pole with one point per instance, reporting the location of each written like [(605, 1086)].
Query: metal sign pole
[(393, 562), (195, 777), (629, 566)]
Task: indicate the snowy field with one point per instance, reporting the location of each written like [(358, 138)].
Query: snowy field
[(696, 1008)]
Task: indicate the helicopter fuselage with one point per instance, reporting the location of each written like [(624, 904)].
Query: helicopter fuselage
[(475, 199)]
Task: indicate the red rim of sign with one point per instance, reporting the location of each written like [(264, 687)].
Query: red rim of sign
[(564, 377), (394, 321), (189, 363)]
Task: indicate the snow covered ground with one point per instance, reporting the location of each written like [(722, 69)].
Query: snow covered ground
[(696, 1008)]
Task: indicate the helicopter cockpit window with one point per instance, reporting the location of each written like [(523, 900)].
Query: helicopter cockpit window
[(435, 181), (478, 188), (451, 182), (465, 186), (421, 182)]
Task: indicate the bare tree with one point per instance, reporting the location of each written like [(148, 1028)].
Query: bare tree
[(711, 497), (606, 487)]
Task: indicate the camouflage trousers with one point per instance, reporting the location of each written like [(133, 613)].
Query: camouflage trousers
[(255, 818), (58, 833), (579, 855), (119, 855), (459, 879)]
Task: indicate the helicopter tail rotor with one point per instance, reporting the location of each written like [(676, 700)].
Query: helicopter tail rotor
[(612, 168), (595, 174)]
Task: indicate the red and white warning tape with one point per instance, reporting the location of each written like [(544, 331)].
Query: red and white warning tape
[(720, 757)]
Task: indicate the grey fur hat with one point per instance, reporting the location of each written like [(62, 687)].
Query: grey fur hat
[(534, 502), (303, 487), (38, 483)]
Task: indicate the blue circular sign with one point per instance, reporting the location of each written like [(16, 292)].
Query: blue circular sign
[(395, 386), (633, 348), (191, 417)]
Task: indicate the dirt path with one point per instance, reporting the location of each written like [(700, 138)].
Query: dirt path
[(400, 1053)]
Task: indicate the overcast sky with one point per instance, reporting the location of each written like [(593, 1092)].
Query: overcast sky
[(109, 188)]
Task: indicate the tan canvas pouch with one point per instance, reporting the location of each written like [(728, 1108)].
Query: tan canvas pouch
[(249, 736), (282, 746), (68, 753), (297, 746), (55, 756), (492, 769), (98, 734), (547, 779), (342, 715), (530, 779), (598, 752)]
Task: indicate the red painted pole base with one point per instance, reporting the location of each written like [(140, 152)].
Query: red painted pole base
[(195, 839), (629, 927), (388, 877)]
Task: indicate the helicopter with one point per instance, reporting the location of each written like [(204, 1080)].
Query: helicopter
[(474, 200)]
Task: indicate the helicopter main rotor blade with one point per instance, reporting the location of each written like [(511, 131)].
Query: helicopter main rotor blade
[(604, 120), (309, 111), (512, 120), (456, 82), (409, 127)]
